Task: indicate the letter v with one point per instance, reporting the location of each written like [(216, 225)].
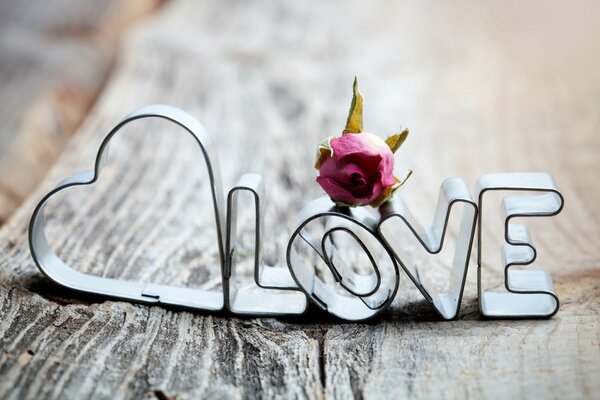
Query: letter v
[(452, 191)]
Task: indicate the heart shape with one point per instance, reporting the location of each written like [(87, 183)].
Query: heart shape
[(57, 271)]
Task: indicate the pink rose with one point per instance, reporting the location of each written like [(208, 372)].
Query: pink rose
[(357, 168), (358, 171)]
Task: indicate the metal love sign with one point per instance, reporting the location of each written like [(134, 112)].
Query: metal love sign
[(313, 247)]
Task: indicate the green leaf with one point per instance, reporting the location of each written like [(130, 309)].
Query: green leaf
[(395, 141), (323, 150), (401, 182), (354, 122)]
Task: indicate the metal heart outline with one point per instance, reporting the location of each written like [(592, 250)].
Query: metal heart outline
[(60, 273)]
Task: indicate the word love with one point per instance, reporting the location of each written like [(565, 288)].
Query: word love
[(346, 261)]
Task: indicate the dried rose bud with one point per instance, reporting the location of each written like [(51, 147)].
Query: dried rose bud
[(357, 168)]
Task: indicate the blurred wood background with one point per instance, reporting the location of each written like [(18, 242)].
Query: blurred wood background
[(511, 86), (55, 60)]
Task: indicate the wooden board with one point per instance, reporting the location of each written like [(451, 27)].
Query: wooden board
[(510, 87), (55, 60)]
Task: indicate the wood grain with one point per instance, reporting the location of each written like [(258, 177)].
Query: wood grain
[(506, 87), (55, 60)]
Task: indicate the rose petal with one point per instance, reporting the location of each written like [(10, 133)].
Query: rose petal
[(342, 170), (349, 176), (337, 193), (359, 143), (386, 171)]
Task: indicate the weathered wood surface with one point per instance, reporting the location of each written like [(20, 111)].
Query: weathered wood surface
[(509, 87), (55, 60)]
